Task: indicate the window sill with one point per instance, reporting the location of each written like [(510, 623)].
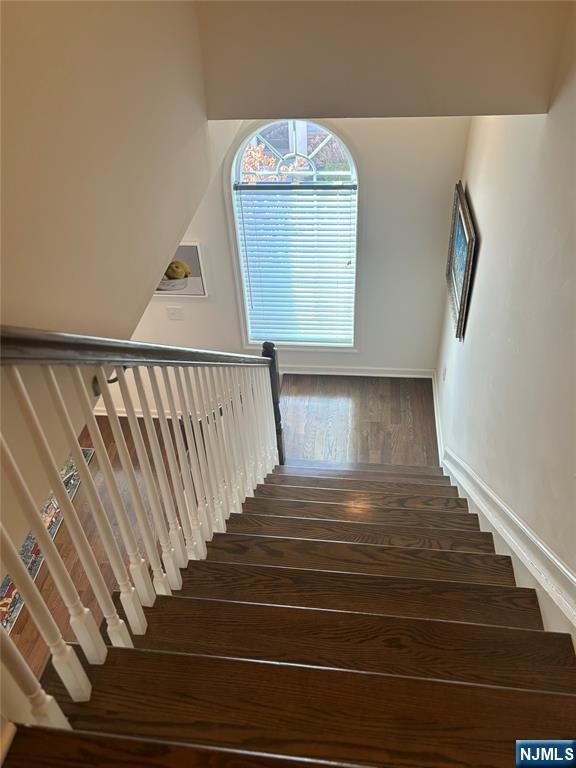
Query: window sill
[(291, 347)]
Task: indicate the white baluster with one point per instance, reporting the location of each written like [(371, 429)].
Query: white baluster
[(64, 657), (222, 435), (213, 499), (116, 628), (258, 405), (242, 431), (259, 413), (128, 595), (173, 469), (248, 402), (264, 385), (175, 531), (271, 420), (138, 567), (231, 427), (209, 428), (187, 417), (44, 708), (195, 545), (81, 619), (170, 557)]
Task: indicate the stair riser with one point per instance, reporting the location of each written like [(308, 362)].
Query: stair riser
[(363, 485), (437, 519), (361, 533), (386, 477), (364, 467), (301, 711), (362, 498), (35, 747), (412, 598), (356, 558), (390, 645)]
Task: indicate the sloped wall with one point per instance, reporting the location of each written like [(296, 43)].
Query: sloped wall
[(105, 157)]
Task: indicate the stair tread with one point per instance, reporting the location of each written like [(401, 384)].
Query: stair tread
[(362, 474), (361, 533), (37, 747), (330, 510), (365, 466), (353, 484), (516, 658), (312, 712), (361, 593), (357, 558), (361, 498)]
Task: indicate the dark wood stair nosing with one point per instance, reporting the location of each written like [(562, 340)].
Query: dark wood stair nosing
[(278, 526), (331, 510), (368, 486), (235, 703), (443, 599), (364, 499), (80, 748), (412, 647), (295, 537), (344, 557)]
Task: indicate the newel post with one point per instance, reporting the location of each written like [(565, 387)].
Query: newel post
[(269, 350)]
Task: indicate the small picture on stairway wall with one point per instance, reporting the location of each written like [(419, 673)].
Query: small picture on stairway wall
[(184, 275), (460, 259)]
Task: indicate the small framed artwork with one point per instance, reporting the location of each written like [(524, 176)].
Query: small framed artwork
[(184, 275), (460, 259)]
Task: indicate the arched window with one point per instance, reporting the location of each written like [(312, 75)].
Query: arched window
[(295, 203)]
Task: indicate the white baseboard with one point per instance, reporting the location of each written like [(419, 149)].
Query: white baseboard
[(437, 420), (355, 370), (555, 577)]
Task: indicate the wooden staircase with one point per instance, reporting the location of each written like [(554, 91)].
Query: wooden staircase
[(353, 614)]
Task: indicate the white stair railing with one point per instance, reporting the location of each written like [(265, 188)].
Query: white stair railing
[(182, 437)]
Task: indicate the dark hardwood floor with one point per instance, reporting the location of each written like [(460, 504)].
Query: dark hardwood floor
[(359, 419)]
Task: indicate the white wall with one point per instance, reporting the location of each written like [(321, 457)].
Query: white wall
[(378, 59), (105, 154), (407, 169), (508, 402)]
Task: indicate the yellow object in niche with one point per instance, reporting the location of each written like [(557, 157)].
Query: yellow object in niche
[(177, 270)]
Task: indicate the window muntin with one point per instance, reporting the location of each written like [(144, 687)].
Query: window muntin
[(295, 205)]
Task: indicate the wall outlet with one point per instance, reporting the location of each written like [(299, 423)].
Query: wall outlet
[(175, 313)]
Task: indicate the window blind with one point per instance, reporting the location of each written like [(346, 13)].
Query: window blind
[(297, 248)]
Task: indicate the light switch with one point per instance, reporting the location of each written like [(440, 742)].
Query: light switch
[(175, 313)]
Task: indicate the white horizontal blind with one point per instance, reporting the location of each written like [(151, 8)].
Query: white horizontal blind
[(297, 248)]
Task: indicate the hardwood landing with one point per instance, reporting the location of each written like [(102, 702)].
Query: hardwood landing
[(359, 419)]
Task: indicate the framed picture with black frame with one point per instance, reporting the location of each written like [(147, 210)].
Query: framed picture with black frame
[(461, 255)]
